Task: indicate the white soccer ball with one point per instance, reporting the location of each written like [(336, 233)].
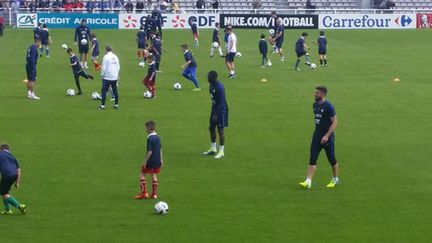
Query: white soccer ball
[(64, 46), (238, 54), (161, 208), (177, 86), (141, 64), (84, 42), (215, 45), (70, 92), (147, 94), (269, 63), (313, 66), (96, 96), (271, 32)]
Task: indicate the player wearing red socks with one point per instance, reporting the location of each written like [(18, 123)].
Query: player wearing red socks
[(150, 79)]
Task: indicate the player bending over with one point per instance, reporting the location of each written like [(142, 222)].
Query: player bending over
[(190, 67), (323, 137), (153, 162), (95, 52), (31, 62), (10, 174), (322, 49), (263, 48), (150, 80), (78, 71), (141, 42), (218, 115), (45, 40), (216, 44), (195, 33), (300, 48)]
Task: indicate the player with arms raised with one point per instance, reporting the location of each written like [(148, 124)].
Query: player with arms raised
[(82, 32)]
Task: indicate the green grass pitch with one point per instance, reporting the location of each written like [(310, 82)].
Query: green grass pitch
[(80, 165)]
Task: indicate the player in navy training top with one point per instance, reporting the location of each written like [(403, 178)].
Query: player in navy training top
[(278, 38), (36, 31), (31, 62), (216, 43), (82, 32), (323, 137), (142, 45), (152, 163), (77, 69), (218, 115), (45, 40), (195, 33), (156, 49), (189, 67), (150, 79), (10, 174), (148, 26), (300, 48), (263, 48), (322, 48), (157, 16), (95, 52)]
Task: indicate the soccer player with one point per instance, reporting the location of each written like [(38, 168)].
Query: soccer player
[(218, 116), (150, 79), (148, 26), (141, 41), (231, 52), (77, 69), (190, 67), (216, 39), (45, 40), (300, 48), (322, 48), (110, 75), (274, 17), (323, 137), (156, 49), (279, 38), (31, 62), (95, 52), (10, 174), (263, 48), (157, 16), (153, 162), (36, 30), (195, 33), (82, 32)]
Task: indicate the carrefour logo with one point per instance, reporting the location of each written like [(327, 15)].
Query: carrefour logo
[(366, 21), (403, 21), (26, 20)]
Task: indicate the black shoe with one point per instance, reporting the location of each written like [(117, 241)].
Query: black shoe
[(116, 107), (79, 93), (91, 77)]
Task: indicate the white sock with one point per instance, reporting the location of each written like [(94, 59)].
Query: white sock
[(221, 148), (213, 146), (211, 51), (81, 63), (335, 179), (29, 93), (220, 51), (308, 180), (232, 72)]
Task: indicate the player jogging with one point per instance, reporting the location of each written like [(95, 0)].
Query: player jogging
[(300, 48), (218, 116), (216, 44), (10, 174), (45, 40), (153, 162), (323, 137), (231, 52), (141, 42), (150, 79), (279, 38), (263, 48), (82, 32), (190, 67), (195, 33), (95, 52), (322, 49), (78, 71), (31, 62)]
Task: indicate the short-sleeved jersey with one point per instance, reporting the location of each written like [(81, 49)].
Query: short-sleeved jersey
[(323, 114), (194, 27), (157, 44), (232, 43), (32, 56), (44, 36), (189, 57), (154, 145), (151, 70), (141, 36), (76, 67), (8, 164), (82, 32), (322, 43), (216, 35), (95, 44), (263, 47), (217, 95), (36, 32), (280, 30), (299, 46)]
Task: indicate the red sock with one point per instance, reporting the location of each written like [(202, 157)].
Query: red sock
[(139, 54), (154, 187), (143, 54), (153, 91), (143, 186)]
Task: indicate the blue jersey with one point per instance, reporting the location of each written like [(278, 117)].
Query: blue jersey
[(95, 48), (44, 36), (322, 43), (217, 95), (8, 164), (262, 45), (141, 36), (154, 145), (32, 56), (216, 35), (280, 30), (157, 45), (299, 46), (76, 67), (147, 24), (189, 57), (154, 24), (323, 113), (36, 32), (194, 28), (151, 70), (82, 32), (157, 16)]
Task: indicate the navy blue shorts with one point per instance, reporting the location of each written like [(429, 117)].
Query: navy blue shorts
[(95, 54), (316, 148), (279, 43), (83, 48), (230, 57), (141, 45), (219, 120), (6, 184), (31, 73), (300, 53)]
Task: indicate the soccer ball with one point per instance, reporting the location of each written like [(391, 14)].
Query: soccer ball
[(177, 86), (215, 45), (147, 94), (141, 64), (313, 66), (64, 46), (96, 96), (271, 32), (238, 54), (70, 92), (269, 63), (161, 208), (84, 42)]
